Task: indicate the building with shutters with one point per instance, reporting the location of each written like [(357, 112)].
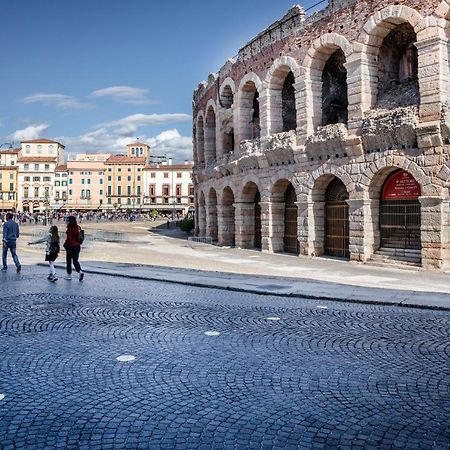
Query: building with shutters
[(37, 164), (168, 188), (8, 179), (330, 135)]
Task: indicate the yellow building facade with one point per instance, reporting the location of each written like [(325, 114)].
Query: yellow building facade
[(8, 180)]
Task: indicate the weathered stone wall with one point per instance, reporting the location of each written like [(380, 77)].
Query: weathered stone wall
[(404, 126)]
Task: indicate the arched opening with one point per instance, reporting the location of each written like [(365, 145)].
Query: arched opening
[(210, 136), (334, 90), (228, 139), (289, 109), (251, 219), (337, 228), (282, 101), (400, 214), (249, 112), (212, 228), (200, 141), (257, 228), (226, 97), (227, 229), (202, 215), (398, 68), (290, 240)]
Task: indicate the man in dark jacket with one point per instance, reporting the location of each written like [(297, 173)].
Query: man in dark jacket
[(10, 235)]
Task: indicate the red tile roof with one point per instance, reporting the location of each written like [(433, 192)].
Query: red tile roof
[(42, 141), (61, 168), (37, 159), (123, 159), (10, 151)]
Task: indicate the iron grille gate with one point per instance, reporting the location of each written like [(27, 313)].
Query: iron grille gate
[(258, 234), (400, 224), (337, 229), (290, 222)]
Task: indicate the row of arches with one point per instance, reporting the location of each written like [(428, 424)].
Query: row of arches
[(316, 92), (279, 223)]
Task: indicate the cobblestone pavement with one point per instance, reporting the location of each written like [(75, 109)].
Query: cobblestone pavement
[(282, 373)]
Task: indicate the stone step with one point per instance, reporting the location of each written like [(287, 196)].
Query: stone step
[(396, 257)]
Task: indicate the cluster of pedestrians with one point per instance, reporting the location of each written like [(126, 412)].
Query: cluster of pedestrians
[(72, 246)]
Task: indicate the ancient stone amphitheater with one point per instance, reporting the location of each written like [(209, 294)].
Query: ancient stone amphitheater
[(330, 135)]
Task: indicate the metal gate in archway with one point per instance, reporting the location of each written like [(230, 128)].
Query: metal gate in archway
[(337, 228), (290, 221), (400, 213), (257, 231)]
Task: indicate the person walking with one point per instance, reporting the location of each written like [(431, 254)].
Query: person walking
[(73, 246), (51, 250), (11, 233)]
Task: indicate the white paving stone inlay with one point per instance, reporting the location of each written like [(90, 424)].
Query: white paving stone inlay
[(322, 307), (126, 358), (212, 333), (273, 319), (2, 396)]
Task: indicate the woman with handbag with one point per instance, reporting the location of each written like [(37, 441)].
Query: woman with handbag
[(51, 250), (75, 237)]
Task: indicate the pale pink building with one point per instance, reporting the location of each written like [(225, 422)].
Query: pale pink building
[(85, 181)]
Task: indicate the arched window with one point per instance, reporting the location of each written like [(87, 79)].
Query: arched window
[(200, 132), (289, 110), (334, 90), (249, 112), (398, 68), (226, 97), (282, 100), (210, 135)]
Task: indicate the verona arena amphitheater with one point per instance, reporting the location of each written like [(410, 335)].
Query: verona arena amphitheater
[(330, 135)]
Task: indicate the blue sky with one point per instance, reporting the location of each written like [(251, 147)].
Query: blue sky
[(96, 74)]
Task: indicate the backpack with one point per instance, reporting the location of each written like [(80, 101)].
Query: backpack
[(80, 237)]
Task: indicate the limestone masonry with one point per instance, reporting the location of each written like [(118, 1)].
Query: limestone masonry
[(331, 135)]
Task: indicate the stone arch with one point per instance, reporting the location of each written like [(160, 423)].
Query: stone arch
[(377, 28), (200, 133), (323, 49), (314, 188), (374, 192), (211, 218), (282, 83), (227, 91), (283, 225), (248, 105), (210, 132), (249, 224), (376, 173), (257, 182), (317, 220)]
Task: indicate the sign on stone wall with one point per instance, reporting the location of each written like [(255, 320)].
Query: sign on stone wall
[(401, 186)]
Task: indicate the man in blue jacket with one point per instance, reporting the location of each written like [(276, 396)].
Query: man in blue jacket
[(10, 236)]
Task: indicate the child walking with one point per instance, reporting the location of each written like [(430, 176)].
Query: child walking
[(51, 251)]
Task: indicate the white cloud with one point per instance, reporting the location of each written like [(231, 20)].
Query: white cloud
[(124, 94), (127, 126), (58, 100), (172, 143), (34, 131)]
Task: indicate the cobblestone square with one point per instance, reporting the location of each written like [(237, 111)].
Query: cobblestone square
[(114, 363)]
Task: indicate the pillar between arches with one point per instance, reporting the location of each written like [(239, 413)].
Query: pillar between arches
[(434, 232), (272, 219), (311, 227), (361, 245), (211, 222), (245, 224), (226, 225)]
